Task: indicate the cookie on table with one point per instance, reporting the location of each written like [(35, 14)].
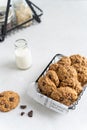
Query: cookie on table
[(81, 73), (65, 95), (78, 59), (53, 67), (64, 61), (8, 100), (65, 72), (72, 83), (52, 75), (46, 86)]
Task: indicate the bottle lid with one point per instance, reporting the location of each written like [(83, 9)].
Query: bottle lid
[(20, 43)]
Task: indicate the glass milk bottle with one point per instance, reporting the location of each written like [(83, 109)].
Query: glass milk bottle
[(22, 54)]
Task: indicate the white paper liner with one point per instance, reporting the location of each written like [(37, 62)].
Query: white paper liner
[(44, 100)]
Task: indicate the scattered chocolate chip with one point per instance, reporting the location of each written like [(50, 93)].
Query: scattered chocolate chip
[(23, 106), (11, 99), (30, 114), (6, 105), (22, 113)]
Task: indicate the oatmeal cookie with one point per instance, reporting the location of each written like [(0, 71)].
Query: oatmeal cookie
[(8, 100), (46, 86), (64, 61), (65, 95), (65, 72), (53, 77), (81, 73), (78, 59)]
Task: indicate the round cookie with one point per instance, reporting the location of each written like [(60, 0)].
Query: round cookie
[(8, 100), (65, 95), (78, 59), (53, 77), (66, 72), (64, 61), (81, 73), (46, 86), (53, 67)]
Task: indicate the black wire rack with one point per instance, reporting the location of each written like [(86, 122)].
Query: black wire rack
[(54, 60), (35, 17)]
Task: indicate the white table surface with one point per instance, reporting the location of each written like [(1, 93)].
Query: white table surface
[(63, 30)]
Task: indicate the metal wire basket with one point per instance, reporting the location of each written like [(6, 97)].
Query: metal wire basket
[(54, 60)]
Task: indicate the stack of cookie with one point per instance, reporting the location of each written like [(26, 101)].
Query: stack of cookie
[(65, 79)]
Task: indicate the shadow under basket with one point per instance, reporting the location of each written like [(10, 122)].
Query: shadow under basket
[(36, 16)]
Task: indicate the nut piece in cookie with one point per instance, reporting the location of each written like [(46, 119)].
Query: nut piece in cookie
[(8, 101), (53, 77), (81, 73), (64, 61), (46, 86), (65, 95), (66, 72), (78, 59)]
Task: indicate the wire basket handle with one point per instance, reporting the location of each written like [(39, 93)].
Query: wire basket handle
[(60, 55)]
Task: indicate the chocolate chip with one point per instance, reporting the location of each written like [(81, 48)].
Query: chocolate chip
[(43, 83), (1, 95), (61, 99), (6, 105), (30, 114), (23, 106), (65, 77), (49, 76), (22, 113), (11, 99)]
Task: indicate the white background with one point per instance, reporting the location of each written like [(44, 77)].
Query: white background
[(63, 30)]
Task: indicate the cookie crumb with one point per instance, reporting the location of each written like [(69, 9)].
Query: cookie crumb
[(23, 106), (30, 113), (22, 113)]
